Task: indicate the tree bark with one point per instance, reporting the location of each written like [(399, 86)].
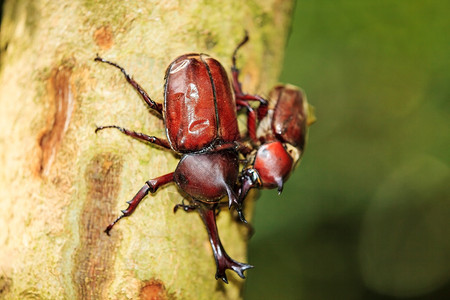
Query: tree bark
[(61, 184)]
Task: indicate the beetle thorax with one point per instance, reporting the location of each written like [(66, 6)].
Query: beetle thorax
[(274, 164)]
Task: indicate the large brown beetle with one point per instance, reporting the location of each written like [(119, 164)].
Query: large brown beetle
[(199, 113)]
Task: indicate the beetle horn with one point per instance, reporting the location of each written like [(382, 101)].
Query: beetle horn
[(280, 184), (234, 200), (246, 185)]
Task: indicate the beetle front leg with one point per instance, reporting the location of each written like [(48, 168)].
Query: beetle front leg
[(185, 207), (150, 186), (152, 104), (249, 179), (139, 136), (223, 261)]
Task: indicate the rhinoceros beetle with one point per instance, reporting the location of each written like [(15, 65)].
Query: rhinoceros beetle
[(279, 140), (199, 113)]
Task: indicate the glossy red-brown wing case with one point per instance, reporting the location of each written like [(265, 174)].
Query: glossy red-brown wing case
[(189, 108), (226, 106), (199, 105), (289, 117)]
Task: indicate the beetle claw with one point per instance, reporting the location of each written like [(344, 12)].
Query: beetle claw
[(241, 216), (224, 278), (242, 267), (186, 208), (231, 264)]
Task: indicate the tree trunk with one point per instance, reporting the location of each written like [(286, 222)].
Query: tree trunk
[(61, 184)]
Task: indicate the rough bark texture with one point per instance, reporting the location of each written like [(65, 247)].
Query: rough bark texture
[(61, 184)]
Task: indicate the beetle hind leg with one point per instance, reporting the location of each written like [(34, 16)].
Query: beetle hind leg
[(223, 261)]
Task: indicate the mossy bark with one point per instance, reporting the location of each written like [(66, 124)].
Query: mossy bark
[(61, 184)]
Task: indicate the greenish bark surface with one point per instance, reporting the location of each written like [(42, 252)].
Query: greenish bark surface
[(61, 184)]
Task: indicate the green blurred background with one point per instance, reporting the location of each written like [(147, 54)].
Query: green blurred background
[(367, 213)]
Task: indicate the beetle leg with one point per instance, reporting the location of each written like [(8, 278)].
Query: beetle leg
[(251, 119), (234, 70), (223, 261), (244, 149), (139, 136), (150, 186), (237, 86), (152, 104), (249, 179), (185, 207), (241, 97)]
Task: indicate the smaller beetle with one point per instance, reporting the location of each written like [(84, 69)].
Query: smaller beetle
[(279, 140)]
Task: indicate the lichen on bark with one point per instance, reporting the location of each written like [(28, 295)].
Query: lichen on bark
[(60, 183)]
